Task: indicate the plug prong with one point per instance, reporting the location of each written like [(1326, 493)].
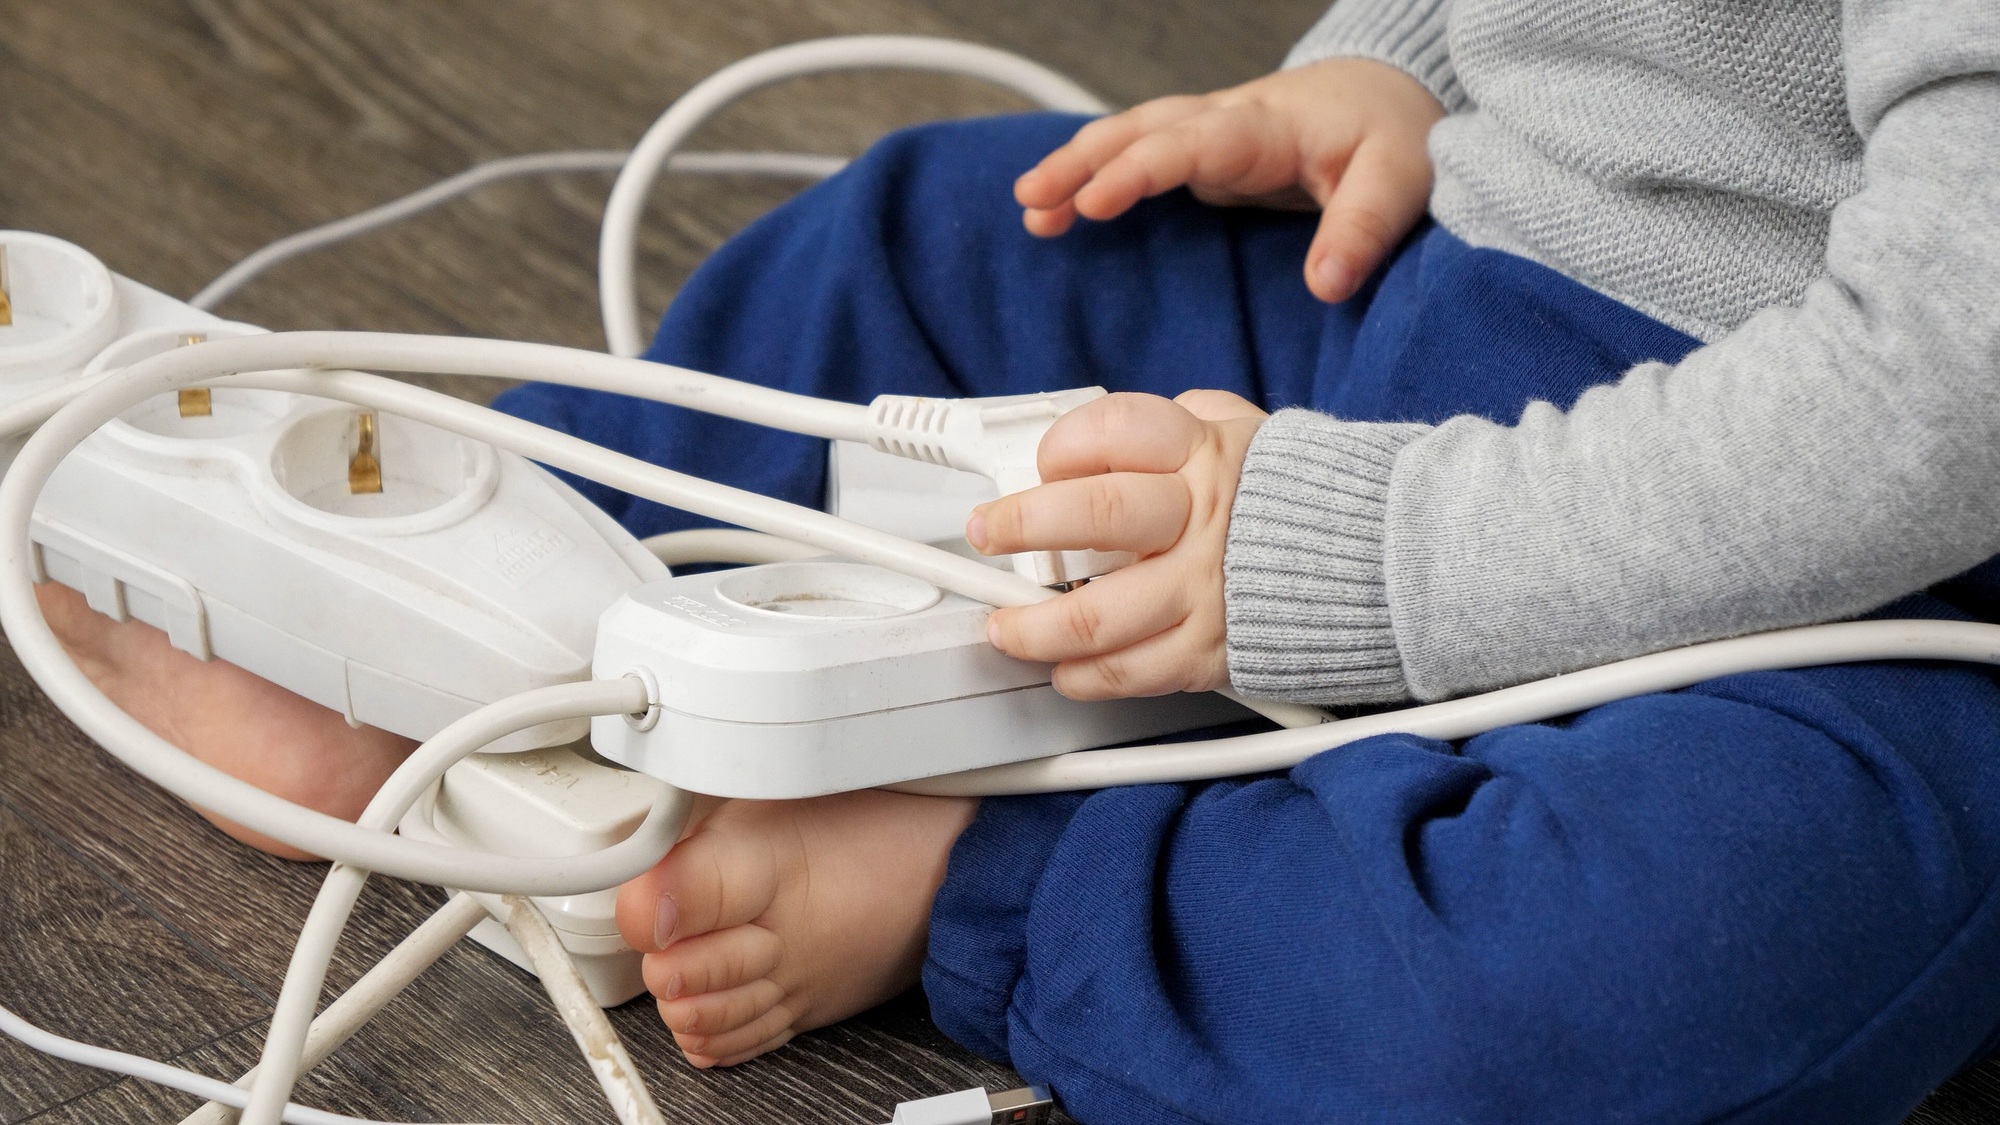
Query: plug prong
[(6, 301), (195, 402), (364, 471)]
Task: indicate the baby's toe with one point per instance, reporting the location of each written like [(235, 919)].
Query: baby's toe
[(767, 1032), (712, 962), (713, 880), (713, 1013)]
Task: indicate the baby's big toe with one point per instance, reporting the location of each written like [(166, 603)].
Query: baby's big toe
[(713, 880)]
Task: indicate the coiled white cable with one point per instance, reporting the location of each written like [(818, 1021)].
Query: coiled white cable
[(1091, 769), (284, 1044), (618, 237), (791, 165)]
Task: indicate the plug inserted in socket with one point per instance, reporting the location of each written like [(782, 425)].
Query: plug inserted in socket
[(552, 802)]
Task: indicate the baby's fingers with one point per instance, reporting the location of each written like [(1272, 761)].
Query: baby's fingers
[(1226, 147), (1047, 189), (1381, 195), (1068, 168), (1108, 614), (1140, 512)]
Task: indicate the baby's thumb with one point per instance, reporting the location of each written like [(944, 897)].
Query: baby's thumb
[(1218, 406), (1379, 198)]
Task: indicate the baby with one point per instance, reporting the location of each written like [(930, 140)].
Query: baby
[(1623, 327)]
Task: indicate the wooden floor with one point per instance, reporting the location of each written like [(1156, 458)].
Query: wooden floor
[(171, 137)]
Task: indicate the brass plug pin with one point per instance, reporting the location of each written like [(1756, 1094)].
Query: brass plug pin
[(6, 302), (364, 472), (195, 402)]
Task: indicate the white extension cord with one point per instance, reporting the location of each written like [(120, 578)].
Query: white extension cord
[(618, 236), (72, 411)]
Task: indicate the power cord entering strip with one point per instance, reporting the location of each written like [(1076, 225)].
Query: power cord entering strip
[(1025, 1105)]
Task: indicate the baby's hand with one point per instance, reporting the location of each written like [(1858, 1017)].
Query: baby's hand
[(1343, 135), (1139, 473)]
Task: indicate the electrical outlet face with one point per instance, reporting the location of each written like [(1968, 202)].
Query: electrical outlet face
[(393, 572), (805, 678)]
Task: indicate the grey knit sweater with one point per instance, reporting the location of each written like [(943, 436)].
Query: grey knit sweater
[(1811, 187)]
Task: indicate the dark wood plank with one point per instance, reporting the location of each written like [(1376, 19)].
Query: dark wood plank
[(79, 949), (334, 1086)]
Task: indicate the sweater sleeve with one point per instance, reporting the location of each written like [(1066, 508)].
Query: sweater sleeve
[(1818, 462), (1406, 34)]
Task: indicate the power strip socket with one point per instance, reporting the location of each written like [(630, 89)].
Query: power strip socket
[(231, 520), (822, 676)]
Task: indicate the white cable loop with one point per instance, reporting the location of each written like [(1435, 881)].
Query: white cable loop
[(285, 1043), (791, 165), (618, 236)]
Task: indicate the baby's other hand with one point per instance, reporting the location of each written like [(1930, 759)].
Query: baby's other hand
[(1140, 473), (1343, 135)]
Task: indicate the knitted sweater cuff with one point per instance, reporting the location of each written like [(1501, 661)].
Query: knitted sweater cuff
[(1406, 34), (1303, 585)]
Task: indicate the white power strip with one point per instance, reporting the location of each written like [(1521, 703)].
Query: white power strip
[(824, 676), (233, 523), (230, 523)]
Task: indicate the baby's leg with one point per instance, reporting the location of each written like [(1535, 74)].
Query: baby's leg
[(1763, 896), (245, 726), (774, 918)]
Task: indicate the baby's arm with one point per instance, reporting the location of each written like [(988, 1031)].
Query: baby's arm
[(1816, 463), (1344, 136)]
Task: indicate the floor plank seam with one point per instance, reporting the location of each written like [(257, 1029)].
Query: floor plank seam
[(193, 942)]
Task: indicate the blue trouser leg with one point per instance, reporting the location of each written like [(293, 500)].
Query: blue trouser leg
[(1764, 899), (1761, 899)]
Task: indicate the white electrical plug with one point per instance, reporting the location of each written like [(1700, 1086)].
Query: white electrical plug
[(997, 438), (403, 590), (1027, 1105), (551, 802)]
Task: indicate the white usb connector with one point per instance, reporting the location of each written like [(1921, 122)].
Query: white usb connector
[(996, 438), (1028, 1105)]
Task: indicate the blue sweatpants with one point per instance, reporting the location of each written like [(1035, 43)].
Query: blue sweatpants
[(1762, 899)]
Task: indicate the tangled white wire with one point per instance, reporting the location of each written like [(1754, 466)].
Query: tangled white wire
[(314, 363)]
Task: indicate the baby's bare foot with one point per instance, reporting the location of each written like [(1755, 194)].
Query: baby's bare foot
[(245, 726), (773, 918)]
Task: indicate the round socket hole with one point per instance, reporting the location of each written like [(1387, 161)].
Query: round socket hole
[(421, 468), (61, 303), (827, 590), (232, 411)]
